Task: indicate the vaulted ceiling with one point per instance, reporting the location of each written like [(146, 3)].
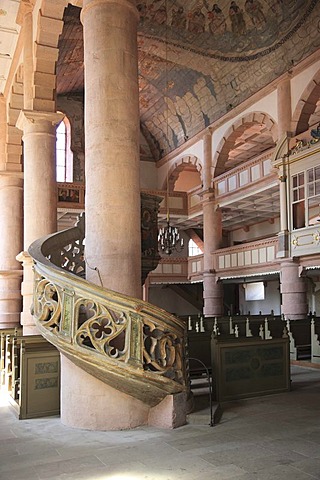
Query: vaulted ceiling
[(199, 59)]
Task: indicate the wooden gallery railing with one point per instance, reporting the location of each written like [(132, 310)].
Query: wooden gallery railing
[(129, 344)]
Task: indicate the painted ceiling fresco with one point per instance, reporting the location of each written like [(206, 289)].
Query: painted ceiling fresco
[(199, 59)]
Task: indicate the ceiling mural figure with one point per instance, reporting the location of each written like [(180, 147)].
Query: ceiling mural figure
[(228, 30), (199, 59)]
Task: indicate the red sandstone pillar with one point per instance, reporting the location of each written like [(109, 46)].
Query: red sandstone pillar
[(212, 238), (293, 290), (112, 144), (284, 106), (11, 183), (284, 129), (40, 193)]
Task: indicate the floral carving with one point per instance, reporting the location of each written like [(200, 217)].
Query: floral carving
[(162, 351)]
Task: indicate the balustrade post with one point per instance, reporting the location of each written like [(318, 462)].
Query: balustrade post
[(136, 341)]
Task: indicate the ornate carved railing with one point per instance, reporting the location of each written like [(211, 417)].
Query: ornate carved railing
[(129, 344)]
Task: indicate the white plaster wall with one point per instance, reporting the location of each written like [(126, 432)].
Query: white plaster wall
[(263, 229), (271, 301), (148, 176)]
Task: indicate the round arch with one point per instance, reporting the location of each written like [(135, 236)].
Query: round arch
[(179, 166), (235, 131), (306, 105)]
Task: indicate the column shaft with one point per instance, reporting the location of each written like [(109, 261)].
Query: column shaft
[(284, 107), (11, 235), (294, 291), (112, 144), (212, 236), (207, 160), (40, 193)]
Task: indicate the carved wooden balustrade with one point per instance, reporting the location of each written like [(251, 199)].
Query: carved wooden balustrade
[(129, 344)]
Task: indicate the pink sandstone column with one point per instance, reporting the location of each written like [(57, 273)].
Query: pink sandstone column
[(293, 290), (284, 129), (112, 144), (284, 106), (293, 287), (40, 193), (112, 196), (212, 236), (11, 183)]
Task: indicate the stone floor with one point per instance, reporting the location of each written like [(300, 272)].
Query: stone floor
[(275, 437)]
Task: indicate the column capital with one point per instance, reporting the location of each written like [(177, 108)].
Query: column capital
[(24, 258), (88, 4), (31, 117)]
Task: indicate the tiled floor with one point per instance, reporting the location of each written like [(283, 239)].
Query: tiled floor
[(275, 437)]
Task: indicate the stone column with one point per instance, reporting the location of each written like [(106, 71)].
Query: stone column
[(284, 106), (293, 290), (11, 184), (284, 130), (283, 236), (113, 231), (212, 236), (112, 144), (207, 160), (40, 193)]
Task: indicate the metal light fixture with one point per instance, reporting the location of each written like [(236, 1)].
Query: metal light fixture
[(169, 237)]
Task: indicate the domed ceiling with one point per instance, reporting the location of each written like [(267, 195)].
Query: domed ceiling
[(199, 59)]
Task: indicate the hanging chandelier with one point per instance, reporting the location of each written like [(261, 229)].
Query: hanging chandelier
[(169, 238)]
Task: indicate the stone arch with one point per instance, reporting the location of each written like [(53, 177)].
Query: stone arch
[(49, 28), (306, 105), (235, 131), (179, 166)]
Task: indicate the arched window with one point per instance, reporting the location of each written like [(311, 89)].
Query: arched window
[(64, 155), (193, 249)]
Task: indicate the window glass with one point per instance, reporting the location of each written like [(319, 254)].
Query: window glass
[(193, 249), (64, 156)]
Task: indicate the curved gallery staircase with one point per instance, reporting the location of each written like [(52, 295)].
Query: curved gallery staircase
[(127, 343)]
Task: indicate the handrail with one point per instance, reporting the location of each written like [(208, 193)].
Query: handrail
[(129, 344)]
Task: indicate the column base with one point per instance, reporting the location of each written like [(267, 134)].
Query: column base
[(88, 403)]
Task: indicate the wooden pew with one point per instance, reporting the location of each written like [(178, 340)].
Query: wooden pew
[(32, 376), (315, 340), (300, 339)]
